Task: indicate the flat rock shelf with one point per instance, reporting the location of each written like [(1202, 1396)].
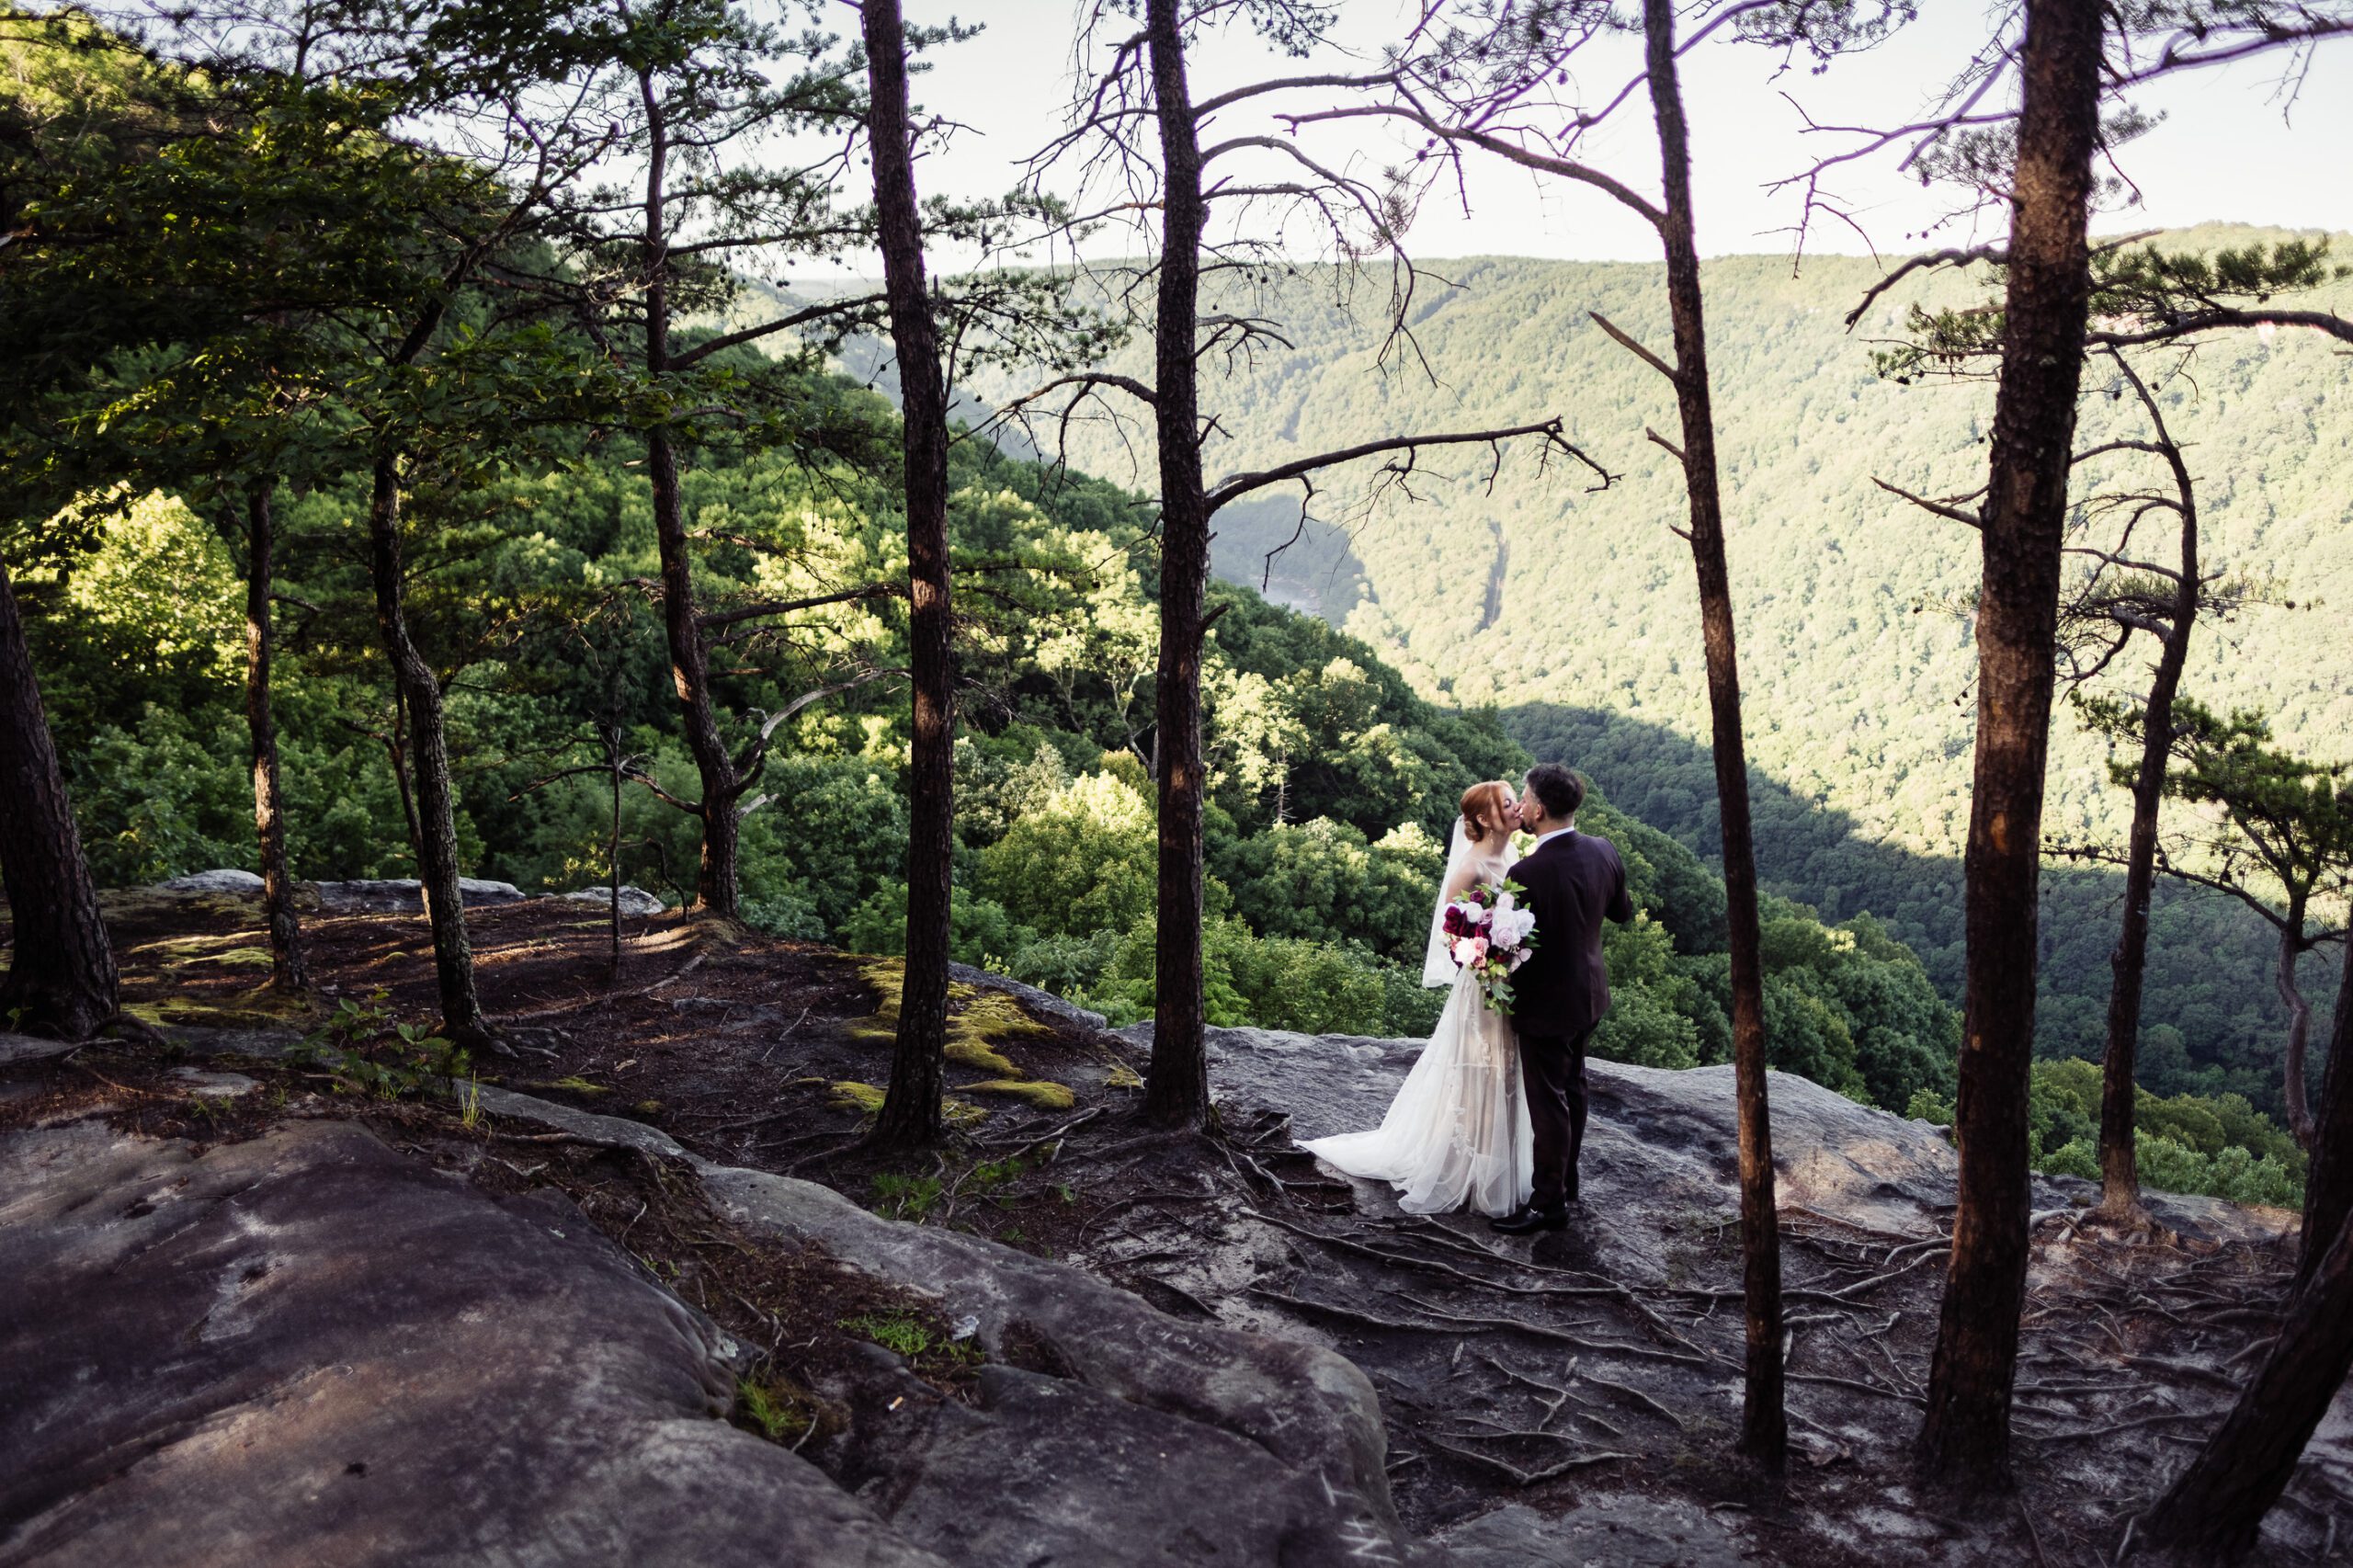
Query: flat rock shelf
[(639, 1294)]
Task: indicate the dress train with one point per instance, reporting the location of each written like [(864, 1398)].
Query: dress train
[(1456, 1135)]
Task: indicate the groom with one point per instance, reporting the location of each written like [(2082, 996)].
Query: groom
[(1572, 882)]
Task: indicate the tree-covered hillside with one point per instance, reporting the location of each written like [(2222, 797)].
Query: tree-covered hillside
[(1333, 785), (1576, 613)]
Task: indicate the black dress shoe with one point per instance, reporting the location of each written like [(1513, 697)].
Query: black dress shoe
[(1528, 1219)]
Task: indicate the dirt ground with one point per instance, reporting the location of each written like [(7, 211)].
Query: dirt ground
[(1507, 1372)]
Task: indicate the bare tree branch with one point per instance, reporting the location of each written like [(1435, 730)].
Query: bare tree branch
[(1502, 147), (786, 606), (1940, 508), (1624, 341), (1555, 440), (835, 308)]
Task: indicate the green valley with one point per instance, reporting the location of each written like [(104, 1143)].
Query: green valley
[(1574, 611)]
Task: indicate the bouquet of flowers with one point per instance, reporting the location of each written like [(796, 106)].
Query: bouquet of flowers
[(1490, 935)]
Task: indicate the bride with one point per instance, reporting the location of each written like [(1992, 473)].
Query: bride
[(1457, 1134)]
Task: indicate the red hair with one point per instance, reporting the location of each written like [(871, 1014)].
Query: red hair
[(1483, 810)]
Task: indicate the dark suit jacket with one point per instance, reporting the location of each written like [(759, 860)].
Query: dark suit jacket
[(1573, 882)]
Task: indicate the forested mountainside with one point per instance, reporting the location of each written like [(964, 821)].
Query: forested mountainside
[(1575, 611), (1334, 787)]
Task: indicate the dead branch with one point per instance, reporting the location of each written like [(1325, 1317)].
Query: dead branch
[(1555, 440), (1956, 257), (2079, 1433), (1502, 147), (1626, 341), (786, 606), (1940, 508), (834, 309)]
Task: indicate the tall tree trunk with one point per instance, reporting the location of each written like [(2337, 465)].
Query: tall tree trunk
[(612, 738), (396, 745), (287, 969), (2119, 1096), (61, 972), (715, 878), (910, 1114), (1177, 1085), (2212, 1512), (1764, 1425), (2328, 1180), (436, 819), (2294, 1090), (1964, 1442)]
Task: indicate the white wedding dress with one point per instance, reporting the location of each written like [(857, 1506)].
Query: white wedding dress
[(1457, 1134)]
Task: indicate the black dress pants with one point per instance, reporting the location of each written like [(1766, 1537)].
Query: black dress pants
[(1553, 1066)]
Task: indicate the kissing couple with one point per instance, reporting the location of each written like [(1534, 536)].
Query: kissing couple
[(1492, 1116)]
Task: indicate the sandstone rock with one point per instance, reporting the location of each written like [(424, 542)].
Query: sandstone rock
[(1037, 1001), (223, 881), (1050, 1470), (633, 901), (392, 895), (17, 1048), (1624, 1530), (1282, 1441), (1662, 1145), (308, 1350), (213, 1086)]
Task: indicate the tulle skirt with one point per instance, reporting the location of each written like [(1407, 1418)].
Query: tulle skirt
[(1457, 1134)]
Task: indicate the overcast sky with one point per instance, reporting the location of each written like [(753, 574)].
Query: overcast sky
[(2224, 149)]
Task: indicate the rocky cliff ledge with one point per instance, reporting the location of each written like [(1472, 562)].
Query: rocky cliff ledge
[(651, 1304)]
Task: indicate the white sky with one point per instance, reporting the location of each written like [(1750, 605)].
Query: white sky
[(2224, 151)]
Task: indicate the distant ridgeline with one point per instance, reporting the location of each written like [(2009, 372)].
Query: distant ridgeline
[(1576, 613)]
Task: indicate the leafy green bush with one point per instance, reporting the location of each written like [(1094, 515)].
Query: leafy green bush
[(835, 832), (979, 930), (796, 920), (1927, 1105), (1081, 859), (1277, 983), (1323, 881), (155, 802), (1654, 1002), (1642, 1029), (2221, 1147)]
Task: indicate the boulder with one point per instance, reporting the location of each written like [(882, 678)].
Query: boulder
[(308, 1349), (1053, 1470), (394, 896), (1163, 1438), (398, 894), (223, 881), (633, 901)]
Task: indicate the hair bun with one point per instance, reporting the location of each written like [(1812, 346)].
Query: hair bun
[(1482, 800)]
